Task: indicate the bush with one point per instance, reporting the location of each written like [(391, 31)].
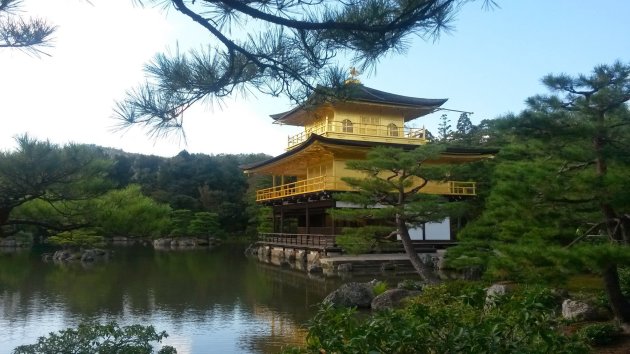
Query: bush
[(624, 280), (380, 288), (96, 338), (409, 284), (599, 333), (439, 321), (77, 239), (356, 243)]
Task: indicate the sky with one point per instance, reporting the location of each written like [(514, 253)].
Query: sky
[(488, 64)]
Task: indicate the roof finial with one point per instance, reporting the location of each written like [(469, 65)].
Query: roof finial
[(354, 74)]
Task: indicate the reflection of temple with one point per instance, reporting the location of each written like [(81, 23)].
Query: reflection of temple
[(308, 174), (283, 332)]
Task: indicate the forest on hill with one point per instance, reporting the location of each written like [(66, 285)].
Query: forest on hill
[(81, 194)]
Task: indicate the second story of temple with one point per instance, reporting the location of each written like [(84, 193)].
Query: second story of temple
[(343, 129), (362, 114)]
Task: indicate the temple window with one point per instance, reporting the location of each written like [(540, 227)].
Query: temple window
[(346, 126), (392, 129)]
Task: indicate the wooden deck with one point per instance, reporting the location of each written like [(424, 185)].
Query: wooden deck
[(328, 243)]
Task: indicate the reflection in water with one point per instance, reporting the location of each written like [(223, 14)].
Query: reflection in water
[(214, 301)]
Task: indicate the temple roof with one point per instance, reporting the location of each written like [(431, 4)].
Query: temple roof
[(358, 93), (449, 152)]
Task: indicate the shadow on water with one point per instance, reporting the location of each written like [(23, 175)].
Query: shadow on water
[(207, 300)]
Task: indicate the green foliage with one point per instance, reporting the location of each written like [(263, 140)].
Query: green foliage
[(409, 284), (380, 287), (447, 320), (292, 48), (624, 280), (445, 133), (558, 204), (180, 221), (26, 34), (77, 239), (390, 192), (127, 212), (42, 171), (388, 171), (204, 224), (599, 333), (363, 239), (99, 338), (264, 220), (199, 183)]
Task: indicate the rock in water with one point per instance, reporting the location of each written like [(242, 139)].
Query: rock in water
[(352, 295)]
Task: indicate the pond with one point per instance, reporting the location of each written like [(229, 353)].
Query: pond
[(209, 301)]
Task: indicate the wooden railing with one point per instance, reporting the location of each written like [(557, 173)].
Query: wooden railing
[(325, 183), (319, 241), (310, 185), (359, 129), (304, 240)]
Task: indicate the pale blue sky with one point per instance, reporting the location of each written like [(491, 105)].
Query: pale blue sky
[(489, 64)]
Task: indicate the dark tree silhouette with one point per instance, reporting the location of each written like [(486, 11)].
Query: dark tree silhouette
[(17, 32), (286, 47)]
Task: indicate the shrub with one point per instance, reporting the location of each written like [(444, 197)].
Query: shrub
[(96, 338), (599, 333), (380, 288), (409, 284), (441, 321), (356, 242), (77, 239), (624, 280)]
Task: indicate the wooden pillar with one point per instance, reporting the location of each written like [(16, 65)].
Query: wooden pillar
[(308, 216), (274, 221), (281, 219), (332, 219)]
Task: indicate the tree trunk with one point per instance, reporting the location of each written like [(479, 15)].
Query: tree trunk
[(618, 303), (425, 272), (4, 217)]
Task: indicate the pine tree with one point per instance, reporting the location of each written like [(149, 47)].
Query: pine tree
[(560, 200), (19, 33), (277, 47), (444, 129), (464, 133), (391, 191)]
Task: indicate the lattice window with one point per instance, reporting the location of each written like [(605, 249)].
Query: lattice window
[(392, 129), (346, 126)]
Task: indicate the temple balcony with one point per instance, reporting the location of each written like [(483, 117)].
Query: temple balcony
[(360, 131), (329, 183)]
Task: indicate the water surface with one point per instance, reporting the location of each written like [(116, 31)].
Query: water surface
[(209, 301)]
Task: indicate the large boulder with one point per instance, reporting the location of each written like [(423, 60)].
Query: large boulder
[(8, 242), (162, 243), (392, 298), (92, 255), (497, 290), (62, 255), (352, 295), (582, 311)]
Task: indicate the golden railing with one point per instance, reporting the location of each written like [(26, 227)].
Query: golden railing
[(450, 188), (315, 184), (329, 183), (359, 129)]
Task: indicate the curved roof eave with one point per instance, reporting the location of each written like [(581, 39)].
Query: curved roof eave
[(358, 143), (363, 93)]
